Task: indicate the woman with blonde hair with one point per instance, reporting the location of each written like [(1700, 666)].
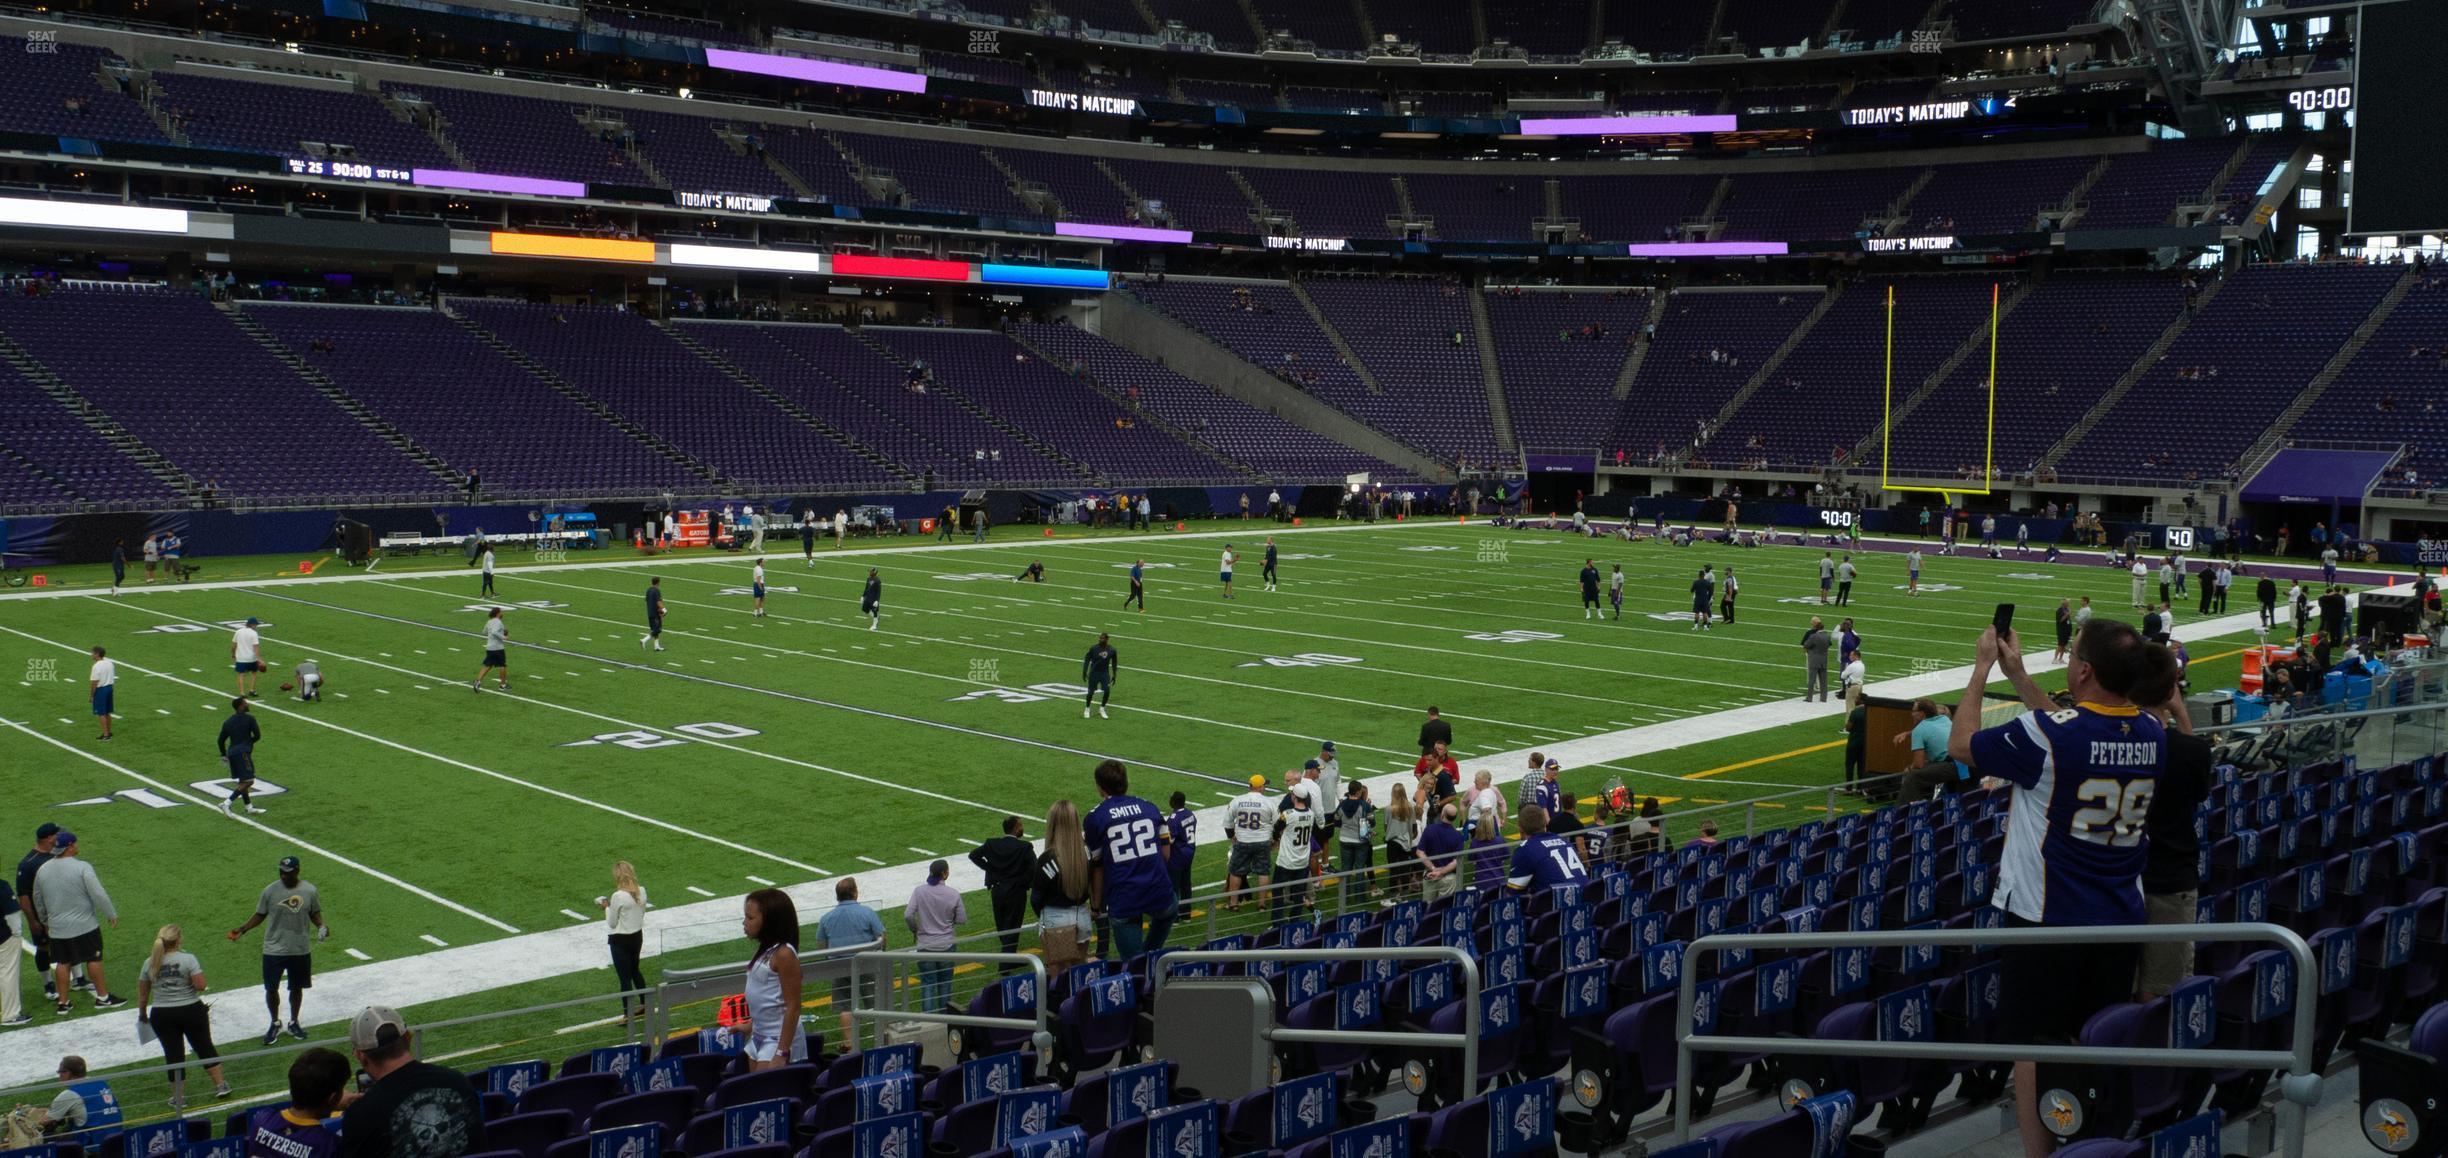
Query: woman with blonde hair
[(625, 931), (1064, 924), (1490, 853), (1402, 833), (170, 998)]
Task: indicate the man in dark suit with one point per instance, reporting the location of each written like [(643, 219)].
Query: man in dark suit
[(1434, 731), (1009, 862)]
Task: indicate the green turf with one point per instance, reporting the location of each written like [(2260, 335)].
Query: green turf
[(865, 748)]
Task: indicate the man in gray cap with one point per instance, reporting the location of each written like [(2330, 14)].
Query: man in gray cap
[(69, 896), (414, 1109), (289, 909)]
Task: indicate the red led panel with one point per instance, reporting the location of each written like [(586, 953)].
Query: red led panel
[(906, 268)]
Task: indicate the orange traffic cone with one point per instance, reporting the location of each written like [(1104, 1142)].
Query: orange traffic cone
[(1296, 522), (1049, 532), (1181, 526)]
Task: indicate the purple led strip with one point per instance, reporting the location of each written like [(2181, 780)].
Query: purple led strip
[(1709, 249), (1623, 126), (1122, 232), (497, 183), (816, 71)]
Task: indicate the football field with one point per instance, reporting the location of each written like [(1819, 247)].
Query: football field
[(803, 747)]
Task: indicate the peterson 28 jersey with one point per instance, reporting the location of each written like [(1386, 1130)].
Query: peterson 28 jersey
[(2076, 839)]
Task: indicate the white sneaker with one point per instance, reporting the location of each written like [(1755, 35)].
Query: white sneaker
[(225, 808), (658, 647), (254, 811), (1083, 713), (871, 624), (643, 640), (1101, 713)]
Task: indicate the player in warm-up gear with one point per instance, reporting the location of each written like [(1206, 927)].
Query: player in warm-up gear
[(1726, 594), (496, 651), (1138, 588), (1615, 584), (237, 742), (654, 615), (1227, 575), (1703, 590), (288, 910), (1267, 569), (1097, 671), (309, 680), (756, 587), (871, 600), (1845, 572), (1034, 572), (807, 538), (1912, 571), (1589, 588), (1827, 577)]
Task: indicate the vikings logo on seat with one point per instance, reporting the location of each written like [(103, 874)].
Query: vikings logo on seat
[(1143, 1093), (1311, 1109), (1794, 1092), (1779, 986), (996, 1079), (2389, 1125), (1908, 1021), (1117, 990), (1526, 1118), (761, 1129), (1033, 1118), (2061, 1113), (632, 1148)]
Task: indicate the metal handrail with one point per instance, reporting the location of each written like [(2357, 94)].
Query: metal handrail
[(2323, 717), (1040, 1036), (1467, 1041), (2301, 1087)]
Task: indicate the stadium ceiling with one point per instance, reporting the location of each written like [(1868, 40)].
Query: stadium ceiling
[(2185, 41)]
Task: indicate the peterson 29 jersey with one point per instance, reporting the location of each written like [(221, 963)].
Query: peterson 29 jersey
[(2076, 838)]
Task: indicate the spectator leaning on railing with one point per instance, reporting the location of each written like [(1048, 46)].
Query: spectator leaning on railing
[(2083, 780)]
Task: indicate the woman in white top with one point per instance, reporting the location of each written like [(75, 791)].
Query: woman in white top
[(625, 931), (772, 921), (170, 998)]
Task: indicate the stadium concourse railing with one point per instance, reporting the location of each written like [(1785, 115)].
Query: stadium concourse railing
[(1466, 966), (2301, 1088)]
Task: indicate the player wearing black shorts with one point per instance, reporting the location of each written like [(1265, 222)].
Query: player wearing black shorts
[(1097, 671), (1589, 589), (1266, 571), (871, 599), (239, 734), (1033, 573), (289, 910), (654, 615)]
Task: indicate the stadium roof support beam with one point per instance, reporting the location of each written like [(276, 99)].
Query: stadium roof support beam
[(2185, 40)]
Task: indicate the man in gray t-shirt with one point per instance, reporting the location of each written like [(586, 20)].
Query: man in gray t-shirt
[(290, 911), (73, 905)]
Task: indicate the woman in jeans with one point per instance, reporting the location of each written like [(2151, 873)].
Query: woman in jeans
[(1061, 891), (170, 996), (1402, 833), (625, 932)]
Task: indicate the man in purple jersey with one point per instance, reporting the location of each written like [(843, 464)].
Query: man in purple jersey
[(1127, 849), (2076, 840), (1544, 860), (1181, 830), (317, 1080)]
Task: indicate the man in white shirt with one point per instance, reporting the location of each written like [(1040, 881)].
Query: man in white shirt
[(2141, 576), (246, 656), (756, 527), (756, 587), (1250, 821), (841, 526), (484, 561), (1275, 505), (1855, 675), (102, 682), (152, 555), (1295, 847), (1228, 564), (1144, 509)]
